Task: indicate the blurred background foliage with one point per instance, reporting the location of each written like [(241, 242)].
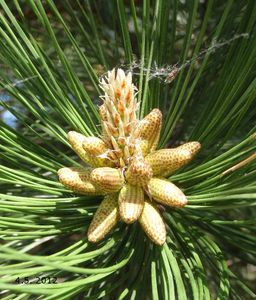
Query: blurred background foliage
[(52, 54)]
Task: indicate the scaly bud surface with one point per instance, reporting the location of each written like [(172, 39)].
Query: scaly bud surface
[(118, 112), (78, 180), (165, 192), (131, 202), (139, 172), (165, 161), (109, 180)]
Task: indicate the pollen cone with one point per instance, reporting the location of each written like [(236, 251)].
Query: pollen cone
[(78, 180), (166, 192), (139, 172), (193, 147), (107, 179), (105, 218), (143, 144), (149, 129), (131, 202), (76, 141), (152, 223), (165, 161), (97, 151)]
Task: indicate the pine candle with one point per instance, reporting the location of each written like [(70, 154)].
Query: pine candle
[(124, 165)]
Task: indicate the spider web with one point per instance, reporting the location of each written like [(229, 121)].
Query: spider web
[(167, 73)]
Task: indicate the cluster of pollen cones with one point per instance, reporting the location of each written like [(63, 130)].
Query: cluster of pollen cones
[(124, 165)]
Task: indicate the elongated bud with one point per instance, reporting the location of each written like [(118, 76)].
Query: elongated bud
[(76, 141), (118, 112), (166, 192), (98, 152), (131, 202), (149, 129), (153, 224), (165, 161), (78, 180), (105, 218), (107, 179), (104, 134), (103, 113), (139, 172)]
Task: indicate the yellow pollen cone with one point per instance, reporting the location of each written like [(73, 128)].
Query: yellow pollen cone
[(152, 223), (193, 147), (138, 146), (166, 192), (97, 152), (107, 179), (94, 145), (149, 128), (131, 202), (76, 141), (105, 218), (165, 161), (139, 172), (78, 180), (144, 147)]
